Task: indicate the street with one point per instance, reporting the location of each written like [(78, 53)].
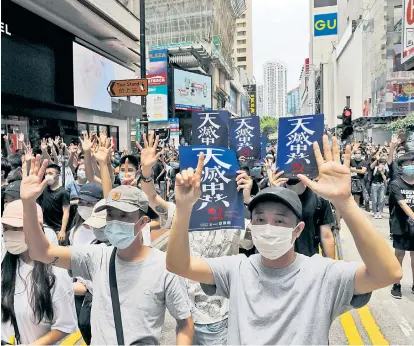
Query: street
[(385, 321)]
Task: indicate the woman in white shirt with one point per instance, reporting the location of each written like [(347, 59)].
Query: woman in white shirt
[(38, 297)]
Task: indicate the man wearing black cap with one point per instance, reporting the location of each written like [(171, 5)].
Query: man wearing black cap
[(144, 287), (279, 296), (12, 192)]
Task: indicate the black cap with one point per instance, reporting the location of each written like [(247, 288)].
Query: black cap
[(13, 189), (279, 195), (91, 192)]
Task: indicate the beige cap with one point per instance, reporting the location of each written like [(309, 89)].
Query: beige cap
[(97, 219)]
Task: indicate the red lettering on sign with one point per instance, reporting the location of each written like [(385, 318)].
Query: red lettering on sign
[(298, 168), (410, 12)]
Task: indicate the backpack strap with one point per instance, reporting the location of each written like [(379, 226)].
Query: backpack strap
[(116, 308)]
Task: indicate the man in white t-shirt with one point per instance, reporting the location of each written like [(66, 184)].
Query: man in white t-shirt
[(209, 312)]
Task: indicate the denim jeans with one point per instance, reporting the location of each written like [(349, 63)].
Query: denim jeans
[(210, 334), (378, 197)]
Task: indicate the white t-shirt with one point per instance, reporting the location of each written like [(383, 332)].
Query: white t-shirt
[(210, 244), (64, 318), (82, 236)]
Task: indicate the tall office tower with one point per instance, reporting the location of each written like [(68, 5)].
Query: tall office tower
[(243, 42), (275, 89)]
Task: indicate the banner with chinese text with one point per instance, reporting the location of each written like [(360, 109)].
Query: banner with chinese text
[(295, 144), (220, 205), (210, 128), (245, 137)]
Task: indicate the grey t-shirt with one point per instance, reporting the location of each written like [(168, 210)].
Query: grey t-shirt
[(145, 289), (293, 305)]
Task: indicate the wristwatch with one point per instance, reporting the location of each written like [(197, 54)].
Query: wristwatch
[(148, 180)]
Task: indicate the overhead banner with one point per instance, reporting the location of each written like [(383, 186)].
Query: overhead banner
[(251, 90), (295, 145), (220, 205), (210, 128), (407, 31), (157, 99), (244, 136)]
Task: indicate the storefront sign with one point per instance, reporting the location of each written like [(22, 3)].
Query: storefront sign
[(5, 29), (408, 30), (128, 87), (251, 90), (157, 99)]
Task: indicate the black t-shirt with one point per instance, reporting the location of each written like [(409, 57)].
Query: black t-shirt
[(52, 203), (359, 165), (400, 190), (394, 171), (306, 244), (377, 176)]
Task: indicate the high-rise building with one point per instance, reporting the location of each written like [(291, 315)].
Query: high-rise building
[(243, 42), (293, 102), (260, 100), (275, 89)]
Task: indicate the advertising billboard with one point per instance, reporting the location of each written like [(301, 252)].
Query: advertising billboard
[(92, 73), (157, 99), (192, 91), (251, 90), (408, 30), (325, 24), (400, 93)]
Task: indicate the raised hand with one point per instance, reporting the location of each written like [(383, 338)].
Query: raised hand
[(275, 178), (187, 185), (33, 183), (50, 142), (334, 182), (28, 153), (20, 137), (149, 156), (57, 140), (87, 142), (43, 144), (243, 181), (102, 152)]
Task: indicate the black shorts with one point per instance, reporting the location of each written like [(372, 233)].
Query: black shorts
[(403, 242)]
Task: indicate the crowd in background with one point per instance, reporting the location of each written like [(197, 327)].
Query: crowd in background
[(86, 200)]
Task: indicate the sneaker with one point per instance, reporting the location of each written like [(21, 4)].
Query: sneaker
[(396, 291), (379, 216)]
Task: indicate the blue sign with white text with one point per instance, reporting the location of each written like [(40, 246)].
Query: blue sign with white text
[(325, 24), (220, 205), (245, 137), (295, 145), (210, 128)]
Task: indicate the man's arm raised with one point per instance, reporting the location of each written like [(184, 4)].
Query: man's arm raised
[(179, 261), (40, 249)]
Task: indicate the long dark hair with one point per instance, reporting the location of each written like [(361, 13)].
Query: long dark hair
[(43, 281)]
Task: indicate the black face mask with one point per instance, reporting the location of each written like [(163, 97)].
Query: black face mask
[(293, 181)]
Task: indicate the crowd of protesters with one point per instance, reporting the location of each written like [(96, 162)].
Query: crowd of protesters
[(79, 221)]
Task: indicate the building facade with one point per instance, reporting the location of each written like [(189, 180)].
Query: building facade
[(260, 100), (293, 102), (243, 42), (66, 63), (274, 89)]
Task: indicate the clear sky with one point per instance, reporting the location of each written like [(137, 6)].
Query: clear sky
[(280, 31)]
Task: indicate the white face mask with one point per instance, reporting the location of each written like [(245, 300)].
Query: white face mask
[(85, 212), (81, 174), (15, 242), (272, 242), (50, 180)]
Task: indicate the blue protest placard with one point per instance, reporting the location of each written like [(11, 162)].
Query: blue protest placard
[(245, 137), (220, 205), (263, 152), (210, 128), (295, 145)]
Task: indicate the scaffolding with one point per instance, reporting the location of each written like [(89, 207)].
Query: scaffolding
[(193, 22)]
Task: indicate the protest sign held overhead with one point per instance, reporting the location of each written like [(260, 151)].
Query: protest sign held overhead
[(220, 205), (210, 128), (295, 145), (245, 137)]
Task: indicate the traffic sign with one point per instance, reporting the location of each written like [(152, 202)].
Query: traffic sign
[(128, 87)]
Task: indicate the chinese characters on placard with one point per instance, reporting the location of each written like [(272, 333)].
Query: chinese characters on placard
[(299, 144), (208, 128), (244, 136)]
